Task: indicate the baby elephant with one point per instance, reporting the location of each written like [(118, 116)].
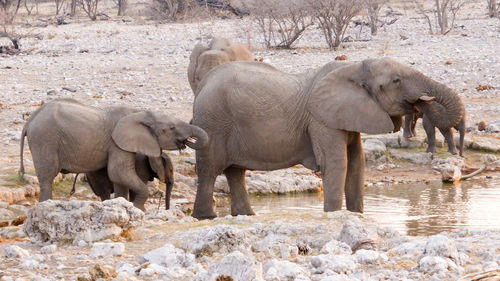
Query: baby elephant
[(69, 137), (147, 169), (429, 127)]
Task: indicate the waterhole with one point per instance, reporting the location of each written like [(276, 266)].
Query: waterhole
[(412, 209)]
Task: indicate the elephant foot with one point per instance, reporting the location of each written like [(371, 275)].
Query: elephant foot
[(242, 212), (140, 207), (407, 135), (204, 215), (431, 149)]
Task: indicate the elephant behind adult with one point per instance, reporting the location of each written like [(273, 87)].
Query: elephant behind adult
[(260, 118), (430, 130), (147, 169), (69, 137), (205, 58)]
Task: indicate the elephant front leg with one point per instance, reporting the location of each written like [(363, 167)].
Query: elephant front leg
[(203, 204), (431, 134), (240, 204), (330, 150), (355, 179)]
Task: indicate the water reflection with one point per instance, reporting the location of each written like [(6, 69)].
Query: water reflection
[(414, 209)]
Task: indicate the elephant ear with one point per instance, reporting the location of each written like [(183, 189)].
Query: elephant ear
[(339, 102), (193, 64), (134, 134)]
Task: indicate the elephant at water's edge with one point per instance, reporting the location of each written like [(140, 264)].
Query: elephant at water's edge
[(430, 130), (69, 137), (260, 118)]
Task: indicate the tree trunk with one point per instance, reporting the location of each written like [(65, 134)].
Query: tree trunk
[(73, 7)]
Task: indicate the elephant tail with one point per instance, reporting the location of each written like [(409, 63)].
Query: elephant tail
[(461, 129), (74, 183), (23, 134)]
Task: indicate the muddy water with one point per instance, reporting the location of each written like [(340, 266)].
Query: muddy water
[(412, 209)]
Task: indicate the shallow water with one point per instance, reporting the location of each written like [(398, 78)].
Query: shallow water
[(412, 209)]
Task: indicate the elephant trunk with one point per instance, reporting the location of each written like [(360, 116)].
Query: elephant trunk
[(200, 136), (447, 110)]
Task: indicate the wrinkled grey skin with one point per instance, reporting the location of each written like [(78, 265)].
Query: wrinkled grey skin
[(70, 137), (259, 118), (430, 130), (147, 168), (219, 51)]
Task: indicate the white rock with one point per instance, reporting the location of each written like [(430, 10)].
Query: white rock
[(30, 264), (436, 265), (101, 249), (54, 220), (355, 235), (275, 270), (442, 246), (373, 148), (368, 256), (336, 247), (236, 265), (125, 267), (170, 256), (49, 249), (336, 263), (274, 245), (219, 238), (15, 252)]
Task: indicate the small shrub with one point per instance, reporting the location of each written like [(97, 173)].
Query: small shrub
[(281, 23)]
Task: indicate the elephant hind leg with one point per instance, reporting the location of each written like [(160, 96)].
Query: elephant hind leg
[(448, 136), (203, 204), (355, 179), (240, 204), (46, 164)]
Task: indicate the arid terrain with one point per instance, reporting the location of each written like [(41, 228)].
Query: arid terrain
[(135, 61)]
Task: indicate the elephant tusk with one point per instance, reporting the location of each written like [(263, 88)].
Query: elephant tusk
[(426, 98), (191, 140)]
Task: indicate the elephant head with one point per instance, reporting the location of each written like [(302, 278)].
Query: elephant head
[(376, 93), (203, 58), (148, 133)]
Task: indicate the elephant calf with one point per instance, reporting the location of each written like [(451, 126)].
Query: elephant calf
[(219, 51), (147, 168), (430, 130), (69, 137)]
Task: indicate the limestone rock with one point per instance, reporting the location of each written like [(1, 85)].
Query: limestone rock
[(333, 263), (219, 238), (236, 265), (275, 270), (54, 220), (170, 256), (15, 252), (100, 249)]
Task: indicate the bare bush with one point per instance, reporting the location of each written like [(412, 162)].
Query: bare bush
[(30, 6), (445, 13), (173, 9), (372, 8), (281, 22), (334, 17), (59, 4), (8, 11), (493, 8), (89, 7), (122, 7)]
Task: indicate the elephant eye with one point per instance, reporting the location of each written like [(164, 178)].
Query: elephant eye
[(396, 80), (172, 128)]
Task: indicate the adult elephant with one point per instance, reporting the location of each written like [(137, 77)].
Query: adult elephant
[(260, 118), (430, 130), (205, 58), (146, 168), (69, 137)]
